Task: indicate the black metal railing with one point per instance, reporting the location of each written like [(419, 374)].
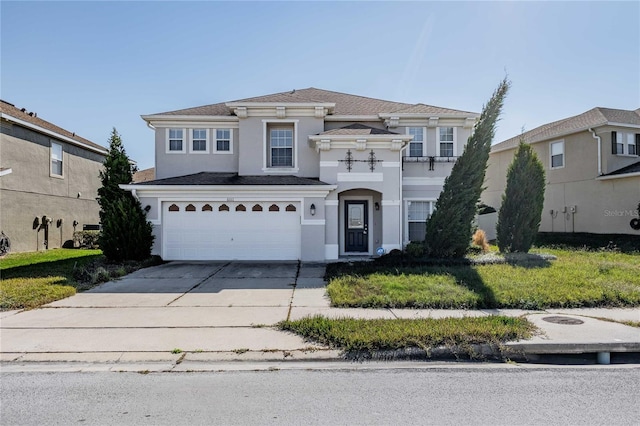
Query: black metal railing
[(431, 160)]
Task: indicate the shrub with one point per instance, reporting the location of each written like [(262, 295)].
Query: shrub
[(449, 229), (415, 249), (522, 202), (126, 234), (86, 239), (480, 239)]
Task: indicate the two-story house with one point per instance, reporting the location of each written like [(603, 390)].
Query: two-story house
[(309, 174), (592, 167), (49, 180)]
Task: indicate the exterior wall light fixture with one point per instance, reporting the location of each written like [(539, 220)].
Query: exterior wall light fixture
[(312, 209)]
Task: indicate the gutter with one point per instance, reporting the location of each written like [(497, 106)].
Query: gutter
[(620, 176), (595, 136)]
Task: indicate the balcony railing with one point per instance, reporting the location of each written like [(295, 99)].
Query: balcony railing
[(430, 160)]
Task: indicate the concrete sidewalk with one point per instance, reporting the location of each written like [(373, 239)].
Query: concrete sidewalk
[(181, 315)]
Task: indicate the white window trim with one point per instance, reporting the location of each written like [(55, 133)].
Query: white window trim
[(206, 138), (455, 140), (424, 140), (214, 141), (407, 201), (624, 136), (185, 138), (60, 176), (564, 155), (265, 147)]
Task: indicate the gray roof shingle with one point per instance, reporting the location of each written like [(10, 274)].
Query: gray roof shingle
[(13, 111), (215, 178), (593, 118), (357, 129), (632, 168), (346, 104)]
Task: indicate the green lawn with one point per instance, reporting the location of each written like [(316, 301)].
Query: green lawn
[(382, 334), (576, 279), (33, 279)]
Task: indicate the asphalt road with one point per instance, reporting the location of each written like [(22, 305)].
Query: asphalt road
[(492, 395)]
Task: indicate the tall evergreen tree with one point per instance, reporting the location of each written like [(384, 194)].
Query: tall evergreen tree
[(450, 228), (521, 209), (125, 233)]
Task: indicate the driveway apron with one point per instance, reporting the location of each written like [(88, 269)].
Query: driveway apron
[(191, 306)]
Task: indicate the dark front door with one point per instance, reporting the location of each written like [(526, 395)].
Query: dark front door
[(356, 226)]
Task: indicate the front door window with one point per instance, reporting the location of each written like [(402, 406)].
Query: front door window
[(356, 227)]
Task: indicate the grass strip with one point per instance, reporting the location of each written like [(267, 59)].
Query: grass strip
[(352, 334), (29, 293), (576, 279)]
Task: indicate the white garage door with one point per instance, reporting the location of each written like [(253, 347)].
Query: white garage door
[(230, 231)]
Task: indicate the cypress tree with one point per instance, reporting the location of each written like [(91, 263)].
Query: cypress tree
[(125, 232), (450, 228), (521, 209)]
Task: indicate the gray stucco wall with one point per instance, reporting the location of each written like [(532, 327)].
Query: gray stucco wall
[(30, 191), (253, 148), (180, 164)]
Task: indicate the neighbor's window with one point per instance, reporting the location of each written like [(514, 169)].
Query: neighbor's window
[(56, 159), (446, 140), (176, 140), (632, 144), (281, 147), (417, 215), (199, 140), (223, 140), (557, 154), (416, 146)]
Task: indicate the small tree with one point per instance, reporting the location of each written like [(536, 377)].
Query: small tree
[(125, 234), (521, 209), (450, 228)]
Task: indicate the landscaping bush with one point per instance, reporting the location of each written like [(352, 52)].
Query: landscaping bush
[(480, 240), (521, 209), (415, 250), (86, 239), (126, 233)]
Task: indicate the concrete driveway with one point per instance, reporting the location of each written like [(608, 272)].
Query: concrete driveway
[(195, 306)]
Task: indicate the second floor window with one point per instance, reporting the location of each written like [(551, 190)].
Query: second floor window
[(176, 140), (625, 143), (223, 140), (281, 147), (446, 141), (557, 154), (56, 159), (416, 146), (199, 140)]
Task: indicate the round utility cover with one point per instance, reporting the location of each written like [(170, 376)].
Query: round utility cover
[(563, 320)]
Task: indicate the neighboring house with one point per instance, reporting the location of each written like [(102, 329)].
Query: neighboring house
[(48, 181), (144, 175), (592, 170), (309, 174)]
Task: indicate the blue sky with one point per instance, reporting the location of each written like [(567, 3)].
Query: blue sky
[(90, 66)]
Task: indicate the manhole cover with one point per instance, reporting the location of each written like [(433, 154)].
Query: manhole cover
[(563, 320)]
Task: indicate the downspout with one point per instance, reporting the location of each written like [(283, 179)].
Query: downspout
[(134, 192), (401, 221), (595, 136)]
